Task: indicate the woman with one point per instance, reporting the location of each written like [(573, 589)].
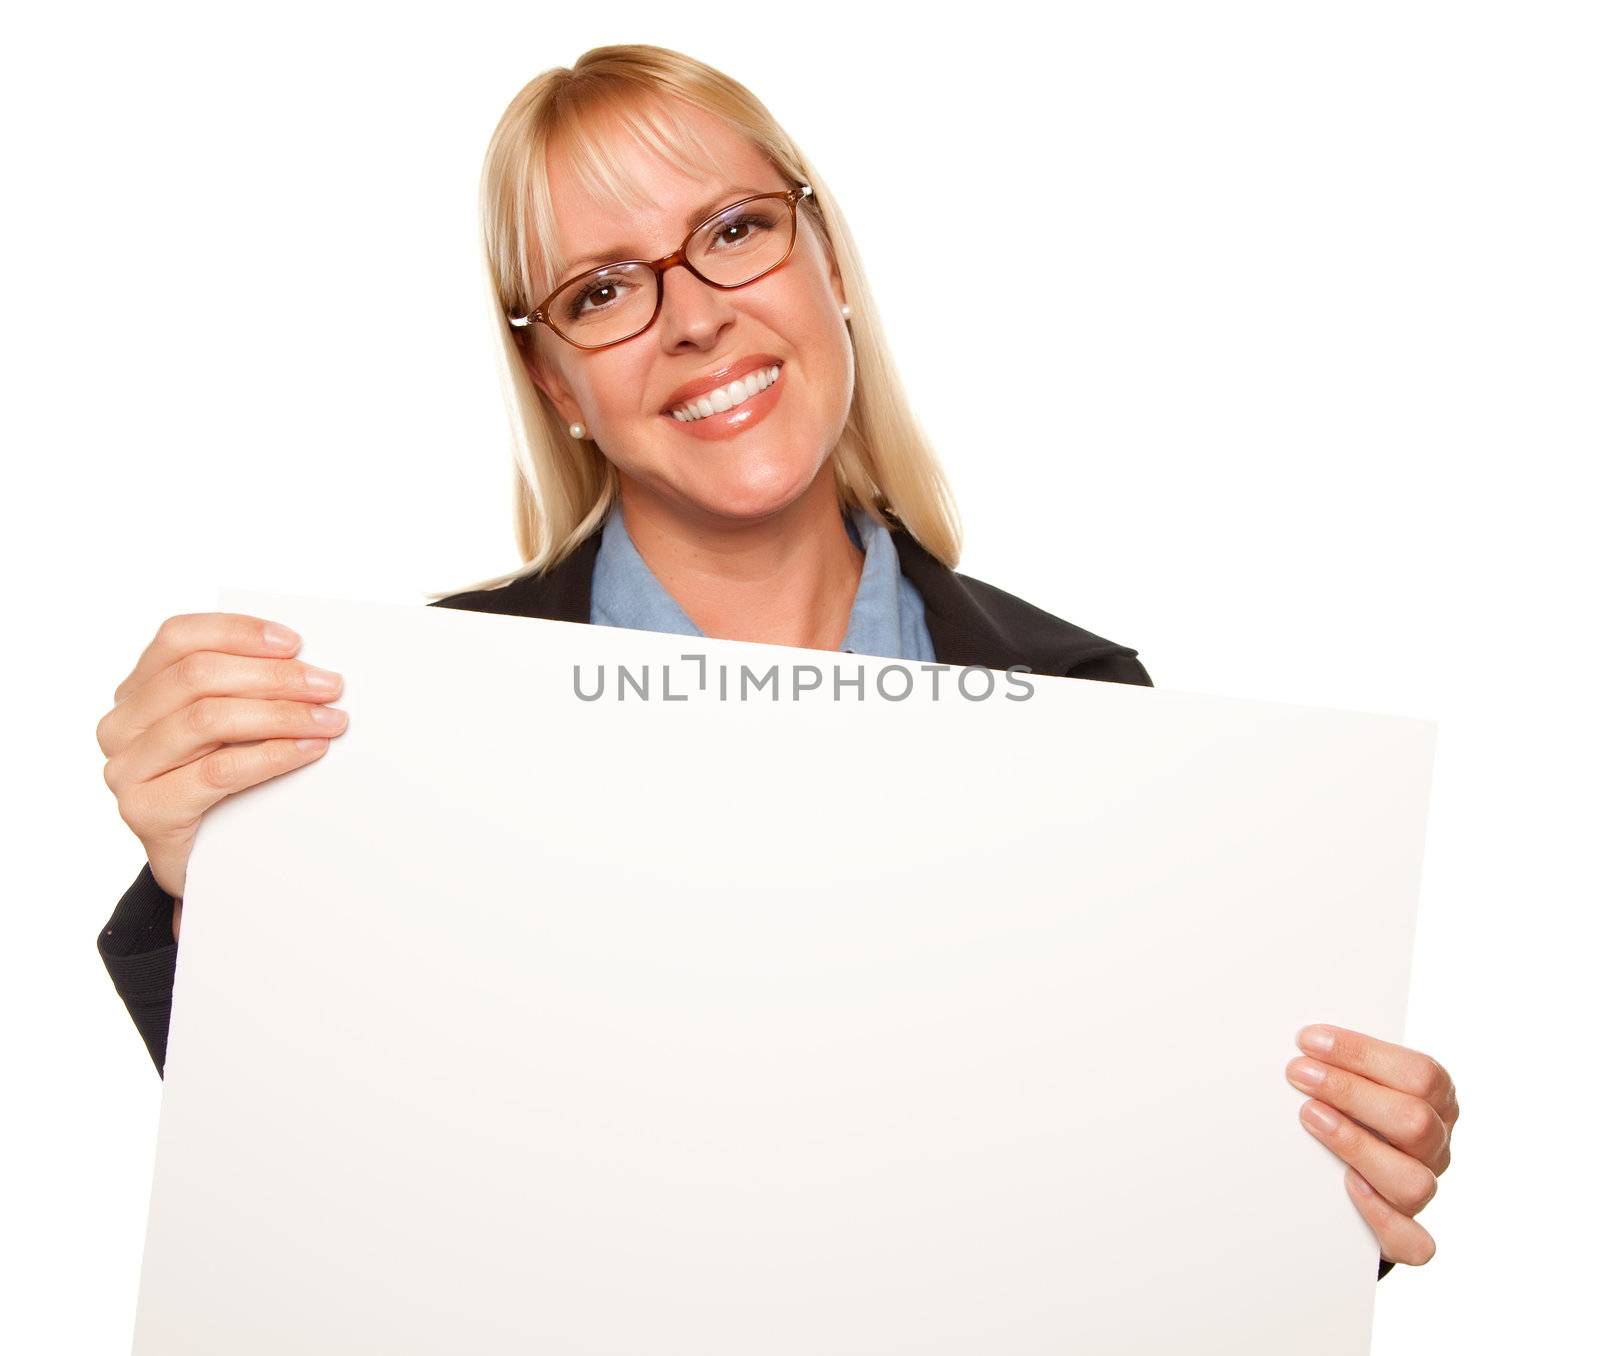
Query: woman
[(711, 440)]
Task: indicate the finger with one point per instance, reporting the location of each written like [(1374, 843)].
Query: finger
[(1400, 1179), (225, 632), (1394, 1066), (183, 795), (208, 673), (196, 729), (1400, 1238), (1407, 1122)]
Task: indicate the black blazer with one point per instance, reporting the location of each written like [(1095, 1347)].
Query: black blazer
[(969, 622)]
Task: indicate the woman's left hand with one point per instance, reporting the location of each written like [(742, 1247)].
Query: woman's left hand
[(1389, 1113)]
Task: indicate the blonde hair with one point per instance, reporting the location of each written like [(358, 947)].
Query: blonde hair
[(564, 487)]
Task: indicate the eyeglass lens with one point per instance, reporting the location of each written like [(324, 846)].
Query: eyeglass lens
[(614, 303)]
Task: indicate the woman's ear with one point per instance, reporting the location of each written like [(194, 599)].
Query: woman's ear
[(544, 375), (834, 280)]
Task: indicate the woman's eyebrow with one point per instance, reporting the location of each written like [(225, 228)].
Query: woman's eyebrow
[(692, 219)]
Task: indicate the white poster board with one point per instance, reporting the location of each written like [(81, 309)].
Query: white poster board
[(785, 1026)]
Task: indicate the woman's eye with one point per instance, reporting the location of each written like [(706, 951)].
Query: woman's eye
[(741, 229), (603, 292)]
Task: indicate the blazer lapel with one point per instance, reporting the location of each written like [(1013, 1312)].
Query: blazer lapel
[(559, 594), (971, 622)]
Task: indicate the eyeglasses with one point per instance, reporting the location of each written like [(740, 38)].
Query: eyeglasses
[(609, 305)]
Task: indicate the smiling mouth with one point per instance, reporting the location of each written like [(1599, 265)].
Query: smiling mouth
[(727, 397)]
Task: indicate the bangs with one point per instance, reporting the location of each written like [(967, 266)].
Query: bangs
[(587, 134)]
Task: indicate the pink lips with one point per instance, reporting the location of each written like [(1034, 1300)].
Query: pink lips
[(720, 376), (716, 427)]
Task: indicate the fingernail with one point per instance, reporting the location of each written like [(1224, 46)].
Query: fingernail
[(1360, 1183), (1317, 1038), (1307, 1073), (1319, 1117), (280, 637), (321, 680), (330, 716)]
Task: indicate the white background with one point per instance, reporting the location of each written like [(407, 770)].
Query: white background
[(1297, 396)]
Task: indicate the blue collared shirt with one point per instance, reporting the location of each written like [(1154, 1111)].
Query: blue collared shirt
[(885, 620)]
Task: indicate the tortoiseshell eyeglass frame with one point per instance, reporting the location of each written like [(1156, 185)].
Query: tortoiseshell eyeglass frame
[(540, 313)]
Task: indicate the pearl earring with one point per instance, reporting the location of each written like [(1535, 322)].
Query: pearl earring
[(576, 430), (845, 310)]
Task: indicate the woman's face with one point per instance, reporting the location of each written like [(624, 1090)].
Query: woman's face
[(750, 467)]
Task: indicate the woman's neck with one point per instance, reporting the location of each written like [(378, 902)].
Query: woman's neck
[(790, 579)]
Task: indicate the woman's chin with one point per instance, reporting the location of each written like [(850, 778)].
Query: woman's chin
[(751, 491)]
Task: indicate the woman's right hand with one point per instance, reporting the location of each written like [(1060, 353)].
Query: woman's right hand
[(214, 705)]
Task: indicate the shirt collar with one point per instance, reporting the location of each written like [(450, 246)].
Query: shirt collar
[(885, 619), (967, 620), (625, 592)]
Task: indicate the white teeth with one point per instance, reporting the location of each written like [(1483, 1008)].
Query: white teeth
[(726, 397)]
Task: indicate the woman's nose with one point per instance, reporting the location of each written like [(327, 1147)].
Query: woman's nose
[(693, 313)]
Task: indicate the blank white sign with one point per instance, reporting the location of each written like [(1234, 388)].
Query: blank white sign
[(786, 1026)]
